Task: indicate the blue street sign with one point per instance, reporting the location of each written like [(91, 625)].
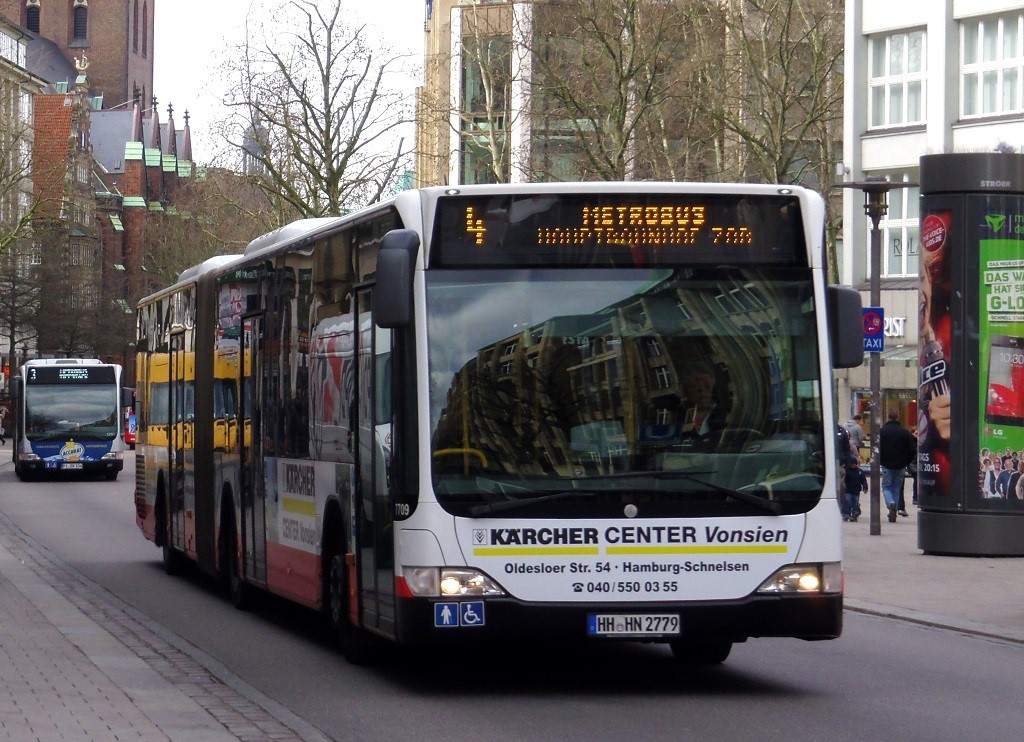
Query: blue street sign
[(874, 329)]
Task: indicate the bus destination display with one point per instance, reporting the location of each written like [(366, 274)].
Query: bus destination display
[(626, 229), (70, 375)]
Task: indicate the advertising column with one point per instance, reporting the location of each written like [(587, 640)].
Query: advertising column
[(971, 355)]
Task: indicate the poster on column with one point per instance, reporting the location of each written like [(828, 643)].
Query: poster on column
[(934, 361), (999, 227)]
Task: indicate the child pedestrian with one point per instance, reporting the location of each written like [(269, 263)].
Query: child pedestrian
[(856, 483)]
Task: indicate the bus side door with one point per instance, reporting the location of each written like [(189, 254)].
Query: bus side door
[(250, 432), (176, 439)]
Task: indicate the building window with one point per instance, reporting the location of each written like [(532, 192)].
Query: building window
[(486, 72), (135, 27), (992, 65), (32, 15), (80, 19), (897, 80), (900, 231), (145, 29), (663, 377)]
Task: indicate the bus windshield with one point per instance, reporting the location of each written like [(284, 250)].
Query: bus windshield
[(673, 391), (86, 412)]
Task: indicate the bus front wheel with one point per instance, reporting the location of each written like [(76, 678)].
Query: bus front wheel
[(356, 644), (171, 557), (239, 591)]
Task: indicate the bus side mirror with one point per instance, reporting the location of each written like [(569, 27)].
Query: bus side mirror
[(16, 387), (845, 327), (392, 301)]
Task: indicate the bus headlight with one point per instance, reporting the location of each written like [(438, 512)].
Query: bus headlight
[(824, 577), (467, 582), (431, 582), (112, 456)]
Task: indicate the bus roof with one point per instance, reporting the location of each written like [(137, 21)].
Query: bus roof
[(65, 362)]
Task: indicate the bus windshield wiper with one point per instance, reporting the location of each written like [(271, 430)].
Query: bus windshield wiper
[(501, 505), (749, 498)]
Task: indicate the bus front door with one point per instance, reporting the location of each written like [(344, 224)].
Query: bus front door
[(250, 430), (375, 535), (176, 441)]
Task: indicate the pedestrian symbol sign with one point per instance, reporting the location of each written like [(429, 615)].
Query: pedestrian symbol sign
[(874, 329), (446, 614)]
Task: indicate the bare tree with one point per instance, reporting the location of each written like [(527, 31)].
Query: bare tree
[(618, 77), (17, 204), (19, 296), (314, 111), (216, 212), (19, 293), (780, 99)]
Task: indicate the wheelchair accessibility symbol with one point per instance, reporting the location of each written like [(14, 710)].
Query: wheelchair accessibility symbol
[(471, 614)]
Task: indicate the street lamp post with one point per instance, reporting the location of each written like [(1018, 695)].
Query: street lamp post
[(876, 204)]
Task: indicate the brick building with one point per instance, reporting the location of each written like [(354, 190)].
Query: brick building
[(110, 169), (116, 36)]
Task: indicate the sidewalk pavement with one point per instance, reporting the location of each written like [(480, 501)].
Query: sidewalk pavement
[(888, 575), (77, 663)]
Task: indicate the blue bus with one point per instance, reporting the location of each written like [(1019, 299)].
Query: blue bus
[(68, 414)]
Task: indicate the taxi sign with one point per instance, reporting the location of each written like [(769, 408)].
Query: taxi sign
[(874, 329)]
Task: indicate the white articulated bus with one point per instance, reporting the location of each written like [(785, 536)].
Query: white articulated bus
[(589, 410)]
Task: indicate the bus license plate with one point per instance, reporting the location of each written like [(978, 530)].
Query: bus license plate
[(633, 624), (71, 465)]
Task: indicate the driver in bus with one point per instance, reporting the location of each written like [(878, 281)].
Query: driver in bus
[(706, 418)]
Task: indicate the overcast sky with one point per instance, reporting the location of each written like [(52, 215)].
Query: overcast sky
[(189, 34)]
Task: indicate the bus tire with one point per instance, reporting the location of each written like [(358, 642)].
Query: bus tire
[(239, 591), (170, 556), (356, 645), (701, 651)]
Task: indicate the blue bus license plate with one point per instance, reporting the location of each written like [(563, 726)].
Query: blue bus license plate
[(633, 624)]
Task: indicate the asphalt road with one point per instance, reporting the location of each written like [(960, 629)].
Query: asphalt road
[(884, 679)]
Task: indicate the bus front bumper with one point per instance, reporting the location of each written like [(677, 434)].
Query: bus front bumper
[(106, 465), (426, 621)]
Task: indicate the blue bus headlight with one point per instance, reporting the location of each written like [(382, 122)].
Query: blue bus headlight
[(431, 582), (824, 577)]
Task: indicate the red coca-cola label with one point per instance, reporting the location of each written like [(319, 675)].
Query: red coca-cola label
[(933, 233)]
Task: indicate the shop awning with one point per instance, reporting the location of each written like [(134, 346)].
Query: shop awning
[(905, 355)]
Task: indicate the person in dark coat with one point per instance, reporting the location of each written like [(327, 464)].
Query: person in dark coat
[(897, 447)]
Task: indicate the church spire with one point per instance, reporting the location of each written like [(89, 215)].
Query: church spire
[(172, 135), (154, 127), (186, 140)]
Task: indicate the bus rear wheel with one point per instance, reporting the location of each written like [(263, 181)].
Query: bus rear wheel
[(709, 651)]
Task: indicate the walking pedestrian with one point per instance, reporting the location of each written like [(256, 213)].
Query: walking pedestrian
[(896, 449), (855, 429), (856, 483)]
